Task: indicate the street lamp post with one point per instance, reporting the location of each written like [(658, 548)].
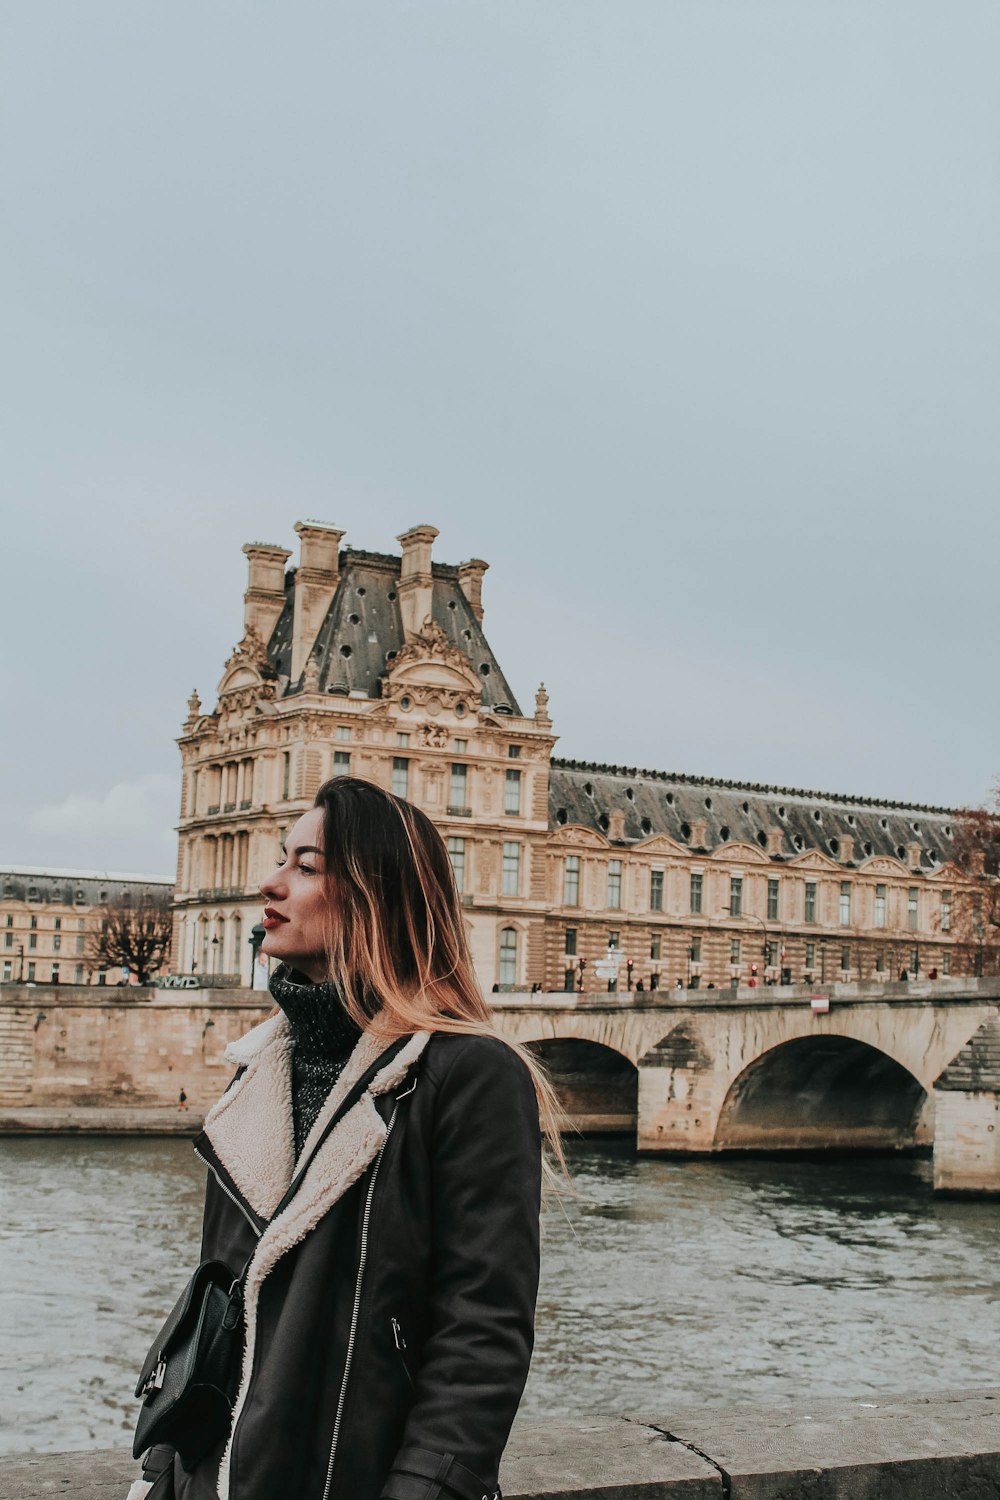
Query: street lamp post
[(257, 935), (750, 916)]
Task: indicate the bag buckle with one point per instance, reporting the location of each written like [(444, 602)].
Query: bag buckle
[(154, 1380)]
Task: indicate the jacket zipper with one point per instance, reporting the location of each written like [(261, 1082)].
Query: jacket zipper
[(357, 1304), (233, 1198), (400, 1343)]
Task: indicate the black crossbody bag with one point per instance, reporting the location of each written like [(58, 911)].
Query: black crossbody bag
[(190, 1376)]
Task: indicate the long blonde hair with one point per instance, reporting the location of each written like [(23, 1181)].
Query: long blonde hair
[(395, 941)]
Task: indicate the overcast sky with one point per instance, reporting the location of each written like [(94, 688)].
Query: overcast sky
[(683, 315)]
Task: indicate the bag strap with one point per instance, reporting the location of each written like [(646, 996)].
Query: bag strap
[(348, 1102)]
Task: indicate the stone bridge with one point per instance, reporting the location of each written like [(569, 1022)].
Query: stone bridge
[(762, 1069), (885, 1067)]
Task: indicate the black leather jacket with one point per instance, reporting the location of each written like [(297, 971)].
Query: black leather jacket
[(391, 1341)]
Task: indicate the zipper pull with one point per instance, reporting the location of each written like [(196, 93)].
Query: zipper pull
[(397, 1334)]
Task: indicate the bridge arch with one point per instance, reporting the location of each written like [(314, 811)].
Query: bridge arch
[(825, 1091), (597, 1086)]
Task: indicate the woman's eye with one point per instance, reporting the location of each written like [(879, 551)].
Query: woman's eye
[(307, 869)]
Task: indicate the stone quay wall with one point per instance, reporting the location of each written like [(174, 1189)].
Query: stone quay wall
[(939, 1447), (74, 1053)]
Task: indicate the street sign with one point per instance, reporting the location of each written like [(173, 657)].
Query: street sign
[(608, 966)]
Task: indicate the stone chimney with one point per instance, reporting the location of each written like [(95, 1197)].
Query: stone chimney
[(470, 576), (775, 840), (315, 585), (265, 595), (913, 853), (616, 826), (699, 833), (416, 585), (846, 848)]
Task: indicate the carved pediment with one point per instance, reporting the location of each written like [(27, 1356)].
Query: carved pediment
[(661, 843), (812, 859), (745, 853), (883, 864), (247, 668), (433, 673), (949, 873), (574, 836)]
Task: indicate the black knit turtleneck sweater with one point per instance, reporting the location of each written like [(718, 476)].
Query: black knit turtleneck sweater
[(324, 1037)]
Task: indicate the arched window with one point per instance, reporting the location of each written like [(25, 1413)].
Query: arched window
[(508, 956)]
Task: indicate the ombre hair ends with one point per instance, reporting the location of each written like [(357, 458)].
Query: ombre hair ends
[(396, 942)]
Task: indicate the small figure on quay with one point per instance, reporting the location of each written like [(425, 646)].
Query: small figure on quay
[(365, 1303), (182, 1101)]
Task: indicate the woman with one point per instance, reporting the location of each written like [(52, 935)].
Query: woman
[(389, 1308)]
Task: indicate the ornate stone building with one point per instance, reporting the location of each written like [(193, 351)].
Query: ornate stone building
[(378, 666), (47, 916)]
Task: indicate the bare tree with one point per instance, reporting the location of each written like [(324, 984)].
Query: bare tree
[(976, 916), (133, 934)]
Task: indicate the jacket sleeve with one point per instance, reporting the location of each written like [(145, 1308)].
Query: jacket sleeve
[(486, 1182)]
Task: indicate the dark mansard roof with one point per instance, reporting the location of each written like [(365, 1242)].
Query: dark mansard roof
[(670, 803), (363, 630), (60, 887)]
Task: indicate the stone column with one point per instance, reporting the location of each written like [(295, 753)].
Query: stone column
[(967, 1117)]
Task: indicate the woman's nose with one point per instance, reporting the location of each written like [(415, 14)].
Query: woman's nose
[(272, 885)]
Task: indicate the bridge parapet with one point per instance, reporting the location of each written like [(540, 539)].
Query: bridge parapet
[(936, 991)]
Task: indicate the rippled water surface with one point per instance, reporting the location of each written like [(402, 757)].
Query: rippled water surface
[(664, 1282)]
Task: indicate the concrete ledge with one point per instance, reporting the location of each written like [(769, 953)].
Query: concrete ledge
[(941, 1447), (587, 1460), (83, 1119)]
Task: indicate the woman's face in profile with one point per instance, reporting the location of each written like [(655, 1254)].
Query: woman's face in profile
[(296, 909)]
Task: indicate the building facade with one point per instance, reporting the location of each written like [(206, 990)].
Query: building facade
[(377, 665), (48, 916)]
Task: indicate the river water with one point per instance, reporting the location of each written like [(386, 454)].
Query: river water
[(664, 1282)]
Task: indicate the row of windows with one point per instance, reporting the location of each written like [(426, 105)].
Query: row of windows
[(31, 975), (571, 896), (57, 922), (458, 794), (8, 941), (80, 897), (773, 953), (511, 872), (458, 798)]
